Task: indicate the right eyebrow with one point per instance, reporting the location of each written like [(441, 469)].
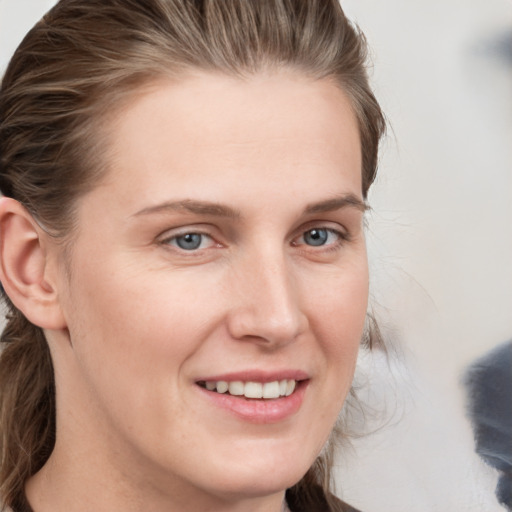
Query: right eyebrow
[(337, 203), (191, 206)]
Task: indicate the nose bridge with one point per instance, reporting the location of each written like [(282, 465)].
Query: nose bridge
[(269, 303)]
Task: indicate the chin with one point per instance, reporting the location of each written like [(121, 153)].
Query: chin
[(258, 485), (259, 476)]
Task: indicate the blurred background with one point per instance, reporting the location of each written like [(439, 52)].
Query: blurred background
[(440, 244)]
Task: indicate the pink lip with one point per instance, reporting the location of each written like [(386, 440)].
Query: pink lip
[(262, 411), (257, 376)]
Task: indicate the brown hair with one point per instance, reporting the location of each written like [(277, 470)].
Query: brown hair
[(73, 69)]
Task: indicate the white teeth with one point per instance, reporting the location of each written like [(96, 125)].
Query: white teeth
[(222, 386), (211, 386), (268, 390), (271, 389), (253, 390), (290, 387), (236, 388)]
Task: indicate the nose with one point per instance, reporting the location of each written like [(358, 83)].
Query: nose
[(267, 305)]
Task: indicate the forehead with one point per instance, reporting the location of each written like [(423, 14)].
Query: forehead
[(212, 127)]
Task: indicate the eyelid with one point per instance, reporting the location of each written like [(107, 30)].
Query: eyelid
[(333, 227), (172, 234), (183, 229), (342, 236), (175, 238)]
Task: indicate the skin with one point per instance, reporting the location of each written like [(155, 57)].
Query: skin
[(141, 320)]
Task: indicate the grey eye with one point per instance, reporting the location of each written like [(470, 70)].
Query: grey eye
[(316, 237), (189, 241)]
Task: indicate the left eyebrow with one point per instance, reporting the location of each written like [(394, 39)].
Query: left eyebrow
[(337, 203), (192, 206)]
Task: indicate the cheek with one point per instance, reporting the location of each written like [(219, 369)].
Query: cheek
[(339, 307), (337, 320), (338, 317), (133, 333), (134, 318)]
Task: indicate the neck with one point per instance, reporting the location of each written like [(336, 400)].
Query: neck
[(60, 487)]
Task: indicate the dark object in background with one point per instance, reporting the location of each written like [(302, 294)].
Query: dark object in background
[(488, 383)]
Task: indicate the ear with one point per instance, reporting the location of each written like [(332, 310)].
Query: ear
[(24, 266)]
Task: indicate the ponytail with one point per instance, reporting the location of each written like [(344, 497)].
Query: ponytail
[(27, 406)]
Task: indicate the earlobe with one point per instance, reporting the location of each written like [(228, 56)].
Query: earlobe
[(23, 266)]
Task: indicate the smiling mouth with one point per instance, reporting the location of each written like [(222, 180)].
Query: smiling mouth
[(256, 390)]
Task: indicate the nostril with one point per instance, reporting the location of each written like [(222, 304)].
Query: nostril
[(269, 329), (269, 304)]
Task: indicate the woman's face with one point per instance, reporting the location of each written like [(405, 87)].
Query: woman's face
[(223, 249)]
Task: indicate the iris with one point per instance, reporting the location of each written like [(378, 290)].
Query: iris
[(316, 237), (189, 241)]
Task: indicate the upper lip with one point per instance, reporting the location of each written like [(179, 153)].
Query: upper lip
[(257, 376)]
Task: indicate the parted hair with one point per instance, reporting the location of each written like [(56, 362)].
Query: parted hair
[(77, 67)]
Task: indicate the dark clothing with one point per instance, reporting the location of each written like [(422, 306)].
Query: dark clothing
[(315, 502), (318, 503), (489, 385)]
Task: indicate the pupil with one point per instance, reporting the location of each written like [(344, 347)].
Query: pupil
[(316, 237), (189, 242)]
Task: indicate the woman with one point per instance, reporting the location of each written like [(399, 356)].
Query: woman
[(182, 253)]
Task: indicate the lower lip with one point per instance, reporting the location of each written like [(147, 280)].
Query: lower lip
[(259, 410)]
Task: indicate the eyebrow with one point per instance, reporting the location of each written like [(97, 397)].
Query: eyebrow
[(221, 210), (192, 206), (337, 203)]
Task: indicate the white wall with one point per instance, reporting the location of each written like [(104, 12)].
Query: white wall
[(440, 240), (16, 18)]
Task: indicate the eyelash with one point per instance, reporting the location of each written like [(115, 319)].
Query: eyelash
[(341, 238), (168, 241)]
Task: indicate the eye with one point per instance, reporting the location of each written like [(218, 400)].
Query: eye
[(190, 241), (317, 237)]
